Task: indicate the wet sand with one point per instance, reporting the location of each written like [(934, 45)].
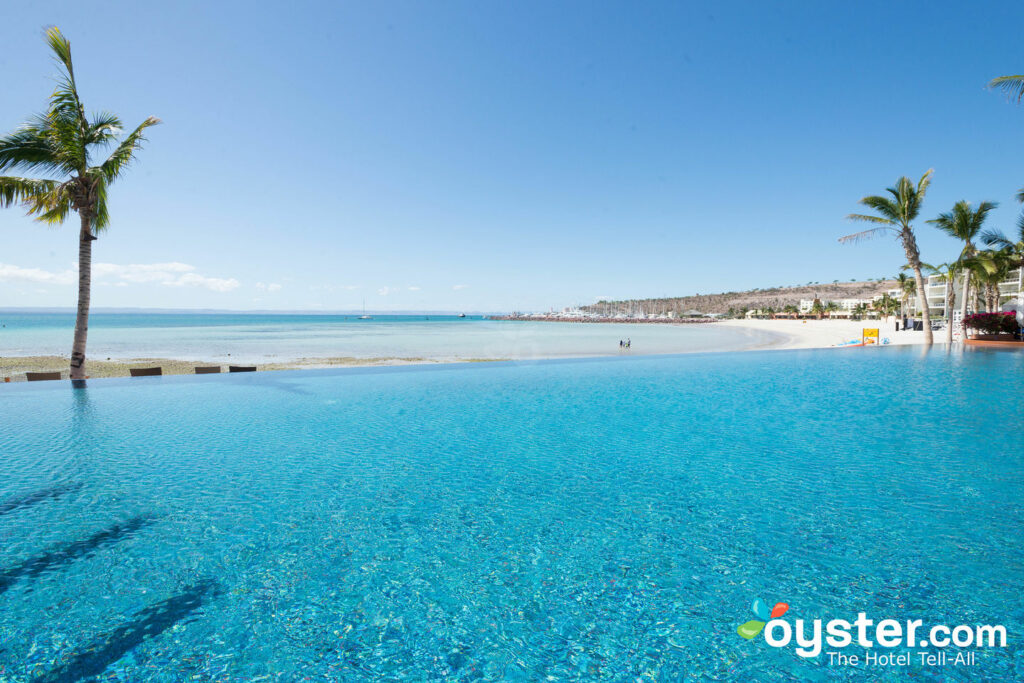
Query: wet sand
[(13, 369)]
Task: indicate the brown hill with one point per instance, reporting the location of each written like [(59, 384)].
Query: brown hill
[(775, 297)]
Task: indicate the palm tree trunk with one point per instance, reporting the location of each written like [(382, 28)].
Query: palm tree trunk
[(963, 303), (84, 288), (922, 302), (949, 308), (914, 259)]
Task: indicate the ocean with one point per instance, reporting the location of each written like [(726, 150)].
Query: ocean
[(261, 338)]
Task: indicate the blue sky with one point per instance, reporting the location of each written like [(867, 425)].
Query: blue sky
[(499, 156)]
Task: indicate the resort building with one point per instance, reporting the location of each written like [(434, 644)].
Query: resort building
[(935, 291), (847, 307)]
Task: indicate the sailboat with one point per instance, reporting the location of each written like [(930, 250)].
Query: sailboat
[(364, 316)]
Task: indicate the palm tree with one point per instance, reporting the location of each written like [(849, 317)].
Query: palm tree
[(907, 288), (830, 308), (964, 224), (58, 143), (886, 305), (947, 273), (989, 268), (897, 213), (818, 309)]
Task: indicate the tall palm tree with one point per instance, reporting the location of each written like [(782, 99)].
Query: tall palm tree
[(896, 215), (947, 272), (990, 268), (59, 143), (907, 288), (964, 224)]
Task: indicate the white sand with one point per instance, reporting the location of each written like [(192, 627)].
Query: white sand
[(813, 334)]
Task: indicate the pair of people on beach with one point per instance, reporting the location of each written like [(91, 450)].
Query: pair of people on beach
[(625, 344)]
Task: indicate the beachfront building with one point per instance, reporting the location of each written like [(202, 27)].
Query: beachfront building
[(935, 292), (847, 307)]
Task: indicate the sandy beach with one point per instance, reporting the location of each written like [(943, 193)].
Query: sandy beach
[(815, 334)]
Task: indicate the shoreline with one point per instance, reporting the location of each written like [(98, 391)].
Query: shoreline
[(821, 334), (13, 368), (788, 334)]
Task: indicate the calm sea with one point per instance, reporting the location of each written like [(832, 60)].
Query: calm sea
[(286, 337)]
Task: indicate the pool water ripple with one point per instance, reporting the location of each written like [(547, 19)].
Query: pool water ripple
[(601, 520)]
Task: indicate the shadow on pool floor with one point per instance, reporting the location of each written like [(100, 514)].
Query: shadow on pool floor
[(14, 504), (94, 657), (61, 556)]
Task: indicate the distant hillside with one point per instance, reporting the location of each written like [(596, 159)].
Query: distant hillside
[(775, 297)]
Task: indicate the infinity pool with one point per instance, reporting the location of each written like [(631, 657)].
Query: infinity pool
[(601, 519)]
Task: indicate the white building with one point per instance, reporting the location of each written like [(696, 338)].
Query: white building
[(846, 306), (935, 291)]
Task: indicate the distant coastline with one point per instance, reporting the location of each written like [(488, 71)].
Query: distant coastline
[(555, 318)]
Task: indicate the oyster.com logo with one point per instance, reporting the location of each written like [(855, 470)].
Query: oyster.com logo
[(753, 628), (886, 642)]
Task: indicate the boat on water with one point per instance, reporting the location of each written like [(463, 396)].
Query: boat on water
[(364, 316), (462, 315)]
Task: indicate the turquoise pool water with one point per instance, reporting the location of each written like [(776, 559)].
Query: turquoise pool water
[(600, 519)]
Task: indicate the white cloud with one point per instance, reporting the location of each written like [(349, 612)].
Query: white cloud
[(215, 284), (273, 287), (11, 273), (384, 291), (141, 272), (458, 287), (171, 274), (414, 289)]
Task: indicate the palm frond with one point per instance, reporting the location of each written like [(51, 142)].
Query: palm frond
[(866, 234), (66, 116), (61, 47), (101, 217), (102, 129), (924, 183), (67, 137), (883, 205), (29, 149), (121, 157), (963, 222), (866, 218), (14, 190), (994, 238), (1013, 86)]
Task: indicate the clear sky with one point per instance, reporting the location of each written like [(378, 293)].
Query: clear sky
[(497, 156)]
